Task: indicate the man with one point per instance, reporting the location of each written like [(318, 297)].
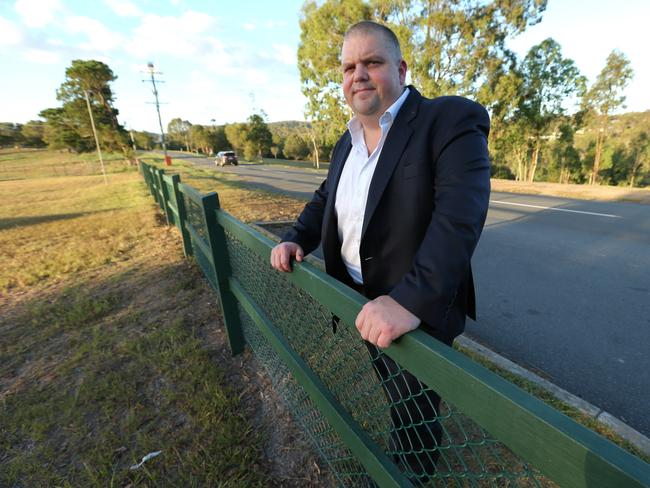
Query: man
[(399, 216)]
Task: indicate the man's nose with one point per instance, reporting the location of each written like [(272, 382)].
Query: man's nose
[(360, 72)]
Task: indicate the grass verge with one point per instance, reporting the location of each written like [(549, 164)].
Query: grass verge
[(104, 357)]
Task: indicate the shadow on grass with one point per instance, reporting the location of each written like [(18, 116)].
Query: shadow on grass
[(95, 376), (10, 223)]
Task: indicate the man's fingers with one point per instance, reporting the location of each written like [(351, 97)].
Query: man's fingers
[(374, 333), (282, 253), (383, 341), (284, 259), (360, 318)]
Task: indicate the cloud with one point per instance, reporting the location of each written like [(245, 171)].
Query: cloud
[(100, 38), (40, 56), (285, 54), (249, 26), (123, 8), (10, 33), (179, 36), (276, 24), (37, 13)]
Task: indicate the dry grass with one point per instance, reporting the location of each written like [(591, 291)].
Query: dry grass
[(246, 204), (579, 192), (113, 347)]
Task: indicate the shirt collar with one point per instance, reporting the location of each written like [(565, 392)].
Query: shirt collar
[(385, 121)]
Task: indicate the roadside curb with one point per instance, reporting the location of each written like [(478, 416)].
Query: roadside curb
[(631, 435)]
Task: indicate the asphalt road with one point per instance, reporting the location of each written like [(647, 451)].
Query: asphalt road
[(563, 288)]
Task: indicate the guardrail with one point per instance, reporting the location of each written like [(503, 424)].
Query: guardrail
[(493, 433)]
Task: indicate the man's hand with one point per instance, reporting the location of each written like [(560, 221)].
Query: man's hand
[(383, 320), (282, 253)]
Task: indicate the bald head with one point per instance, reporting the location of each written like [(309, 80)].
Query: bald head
[(367, 27)]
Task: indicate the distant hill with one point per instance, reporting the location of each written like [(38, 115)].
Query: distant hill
[(622, 127)]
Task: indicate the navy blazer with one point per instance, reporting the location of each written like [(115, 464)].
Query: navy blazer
[(426, 206)]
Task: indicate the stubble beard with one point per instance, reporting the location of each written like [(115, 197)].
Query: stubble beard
[(366, 106)]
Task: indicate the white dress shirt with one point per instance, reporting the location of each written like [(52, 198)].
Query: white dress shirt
[(352, 192)]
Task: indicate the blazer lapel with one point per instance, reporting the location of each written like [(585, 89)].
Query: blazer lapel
[(339, 160), (395, 144)]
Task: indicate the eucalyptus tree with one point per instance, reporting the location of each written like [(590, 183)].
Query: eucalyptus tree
[(69, 126), (550, 83), (259, 135), (453, 47), (178, 133), (604, 97)]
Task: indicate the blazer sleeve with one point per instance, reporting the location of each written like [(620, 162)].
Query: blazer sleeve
[(306, 231), (462, 190)]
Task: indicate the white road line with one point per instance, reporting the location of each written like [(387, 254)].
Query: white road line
[(556, 209)]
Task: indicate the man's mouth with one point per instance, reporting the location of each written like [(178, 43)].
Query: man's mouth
[(363, 90)]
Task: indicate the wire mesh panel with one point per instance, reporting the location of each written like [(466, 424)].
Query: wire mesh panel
[(431, 441), (195, 220)]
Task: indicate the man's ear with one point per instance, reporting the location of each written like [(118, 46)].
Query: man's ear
[(402, 71)]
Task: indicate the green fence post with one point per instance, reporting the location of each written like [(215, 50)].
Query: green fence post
[(145, 176), (150, 184), (182, 217), (165, 199), (152, 190), (158, 185), (154, 185), (160, 191), (223, 272)]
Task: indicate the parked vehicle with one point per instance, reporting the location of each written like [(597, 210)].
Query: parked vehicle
[(226, 157)]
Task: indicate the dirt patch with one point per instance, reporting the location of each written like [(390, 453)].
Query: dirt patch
[(579, 192)]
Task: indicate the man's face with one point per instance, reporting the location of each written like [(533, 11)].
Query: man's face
[(372, 78)]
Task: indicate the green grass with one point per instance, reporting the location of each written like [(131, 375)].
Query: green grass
[(103, 357)]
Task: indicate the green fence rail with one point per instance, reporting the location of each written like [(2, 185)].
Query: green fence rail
[(493, 433)]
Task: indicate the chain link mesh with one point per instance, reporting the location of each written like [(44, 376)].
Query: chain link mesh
[(195, 217), (463, 454)]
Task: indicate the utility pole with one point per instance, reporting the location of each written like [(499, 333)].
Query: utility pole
[(152, 73), (135, 149), (92, 124)]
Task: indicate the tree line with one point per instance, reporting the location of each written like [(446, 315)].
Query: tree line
[(254, 139), (548, 122)]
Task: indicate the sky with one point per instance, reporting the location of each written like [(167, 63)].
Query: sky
[(222, 60)]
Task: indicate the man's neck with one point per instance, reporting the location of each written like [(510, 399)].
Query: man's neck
[(370, 122)]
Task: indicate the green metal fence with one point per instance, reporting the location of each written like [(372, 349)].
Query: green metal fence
[(493, 433)]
